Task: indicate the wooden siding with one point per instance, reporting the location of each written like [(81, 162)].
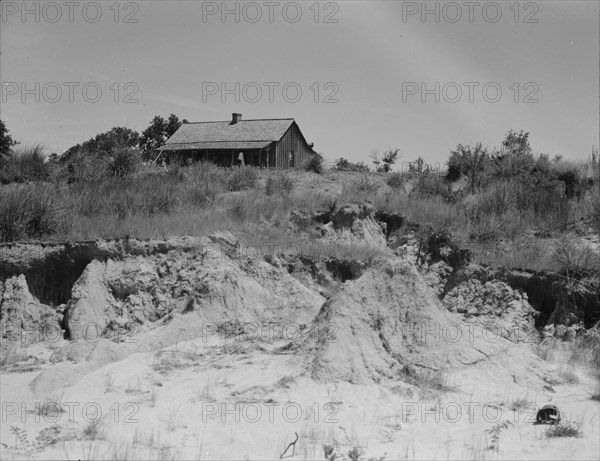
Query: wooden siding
[(291, 141)]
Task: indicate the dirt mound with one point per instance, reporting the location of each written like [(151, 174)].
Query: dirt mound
[(560, 299), (344, 217), (113, 298), (497, 306), (141, 304), (387, 324), (23, 318), (113, 293)]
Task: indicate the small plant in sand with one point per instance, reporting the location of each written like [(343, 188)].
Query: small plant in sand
[(153, 396), (355, 453), (172, 419), (329, 452), (108, 382), (568, 376), (94, 430), (596, 394), (135, 388), (495, 434), (519, 404), (51, 407), (23, 445), (565, 429)]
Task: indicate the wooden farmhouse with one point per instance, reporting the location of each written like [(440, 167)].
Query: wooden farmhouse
[(276, 143)]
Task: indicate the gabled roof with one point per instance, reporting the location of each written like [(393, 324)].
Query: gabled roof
[(245, 134), (216, 145)]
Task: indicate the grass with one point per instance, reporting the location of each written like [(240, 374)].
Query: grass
[(11, 353), (165, 361), (31, 211), (279, 183), (582, 350), (202, 198), (25, 164), (145, 445), (568, 375), (241, 179), (172, 418), (436, 380)]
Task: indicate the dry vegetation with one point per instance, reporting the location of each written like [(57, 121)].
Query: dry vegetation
[(90, 198)]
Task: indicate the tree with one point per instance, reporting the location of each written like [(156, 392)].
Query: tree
[(388, 159), (157, 133), (375, 159), (418, 167), (6, 140), (471, 162), (516, 143), (70, 153), (106, 143), (515, 158)]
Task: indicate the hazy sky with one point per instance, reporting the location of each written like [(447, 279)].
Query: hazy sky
[(374, 61)]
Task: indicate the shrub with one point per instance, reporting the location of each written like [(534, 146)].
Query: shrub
[(596, 215), (314, 164), (364, 184), (176, 172), (472, 162), (498, 199), (153, 196), (546, 206), (565, 429), (569, 173), (395, 181), (123, 163), (432, 184), (341, 164), (239, 207), (242, 179), (577, 261), (281, 183), (199, 194), (514, 159), (85, 167)]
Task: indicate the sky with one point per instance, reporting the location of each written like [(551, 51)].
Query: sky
[(358, 77)]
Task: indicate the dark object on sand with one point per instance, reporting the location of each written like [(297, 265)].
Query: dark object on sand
[(548, 414)]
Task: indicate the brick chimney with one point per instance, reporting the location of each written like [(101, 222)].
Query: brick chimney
[(236, 118)]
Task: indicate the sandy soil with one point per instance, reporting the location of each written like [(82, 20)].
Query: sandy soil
[(192, 401)]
